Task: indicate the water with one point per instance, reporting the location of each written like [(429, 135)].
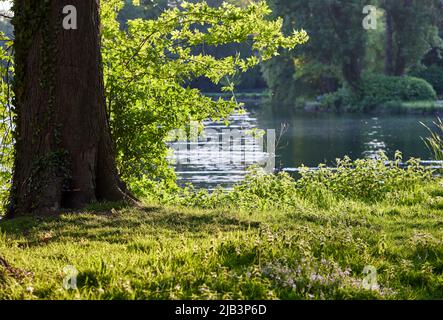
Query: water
[(302, 139), (207, 162)]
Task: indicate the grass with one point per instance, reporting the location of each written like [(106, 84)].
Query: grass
[(174, 252), (421, 107), (435, 141), (438, 105)]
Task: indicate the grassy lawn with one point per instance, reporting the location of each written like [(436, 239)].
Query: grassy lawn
[(167, 252)]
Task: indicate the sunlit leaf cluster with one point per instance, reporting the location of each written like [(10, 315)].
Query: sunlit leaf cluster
[(149, 66), (6, 116)]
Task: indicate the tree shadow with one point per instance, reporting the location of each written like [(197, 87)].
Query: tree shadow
[(119, 226)]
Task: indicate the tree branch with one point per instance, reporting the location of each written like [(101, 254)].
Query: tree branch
[(4, 15)]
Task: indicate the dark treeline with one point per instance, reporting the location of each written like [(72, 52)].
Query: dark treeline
[(343, 63), (342, 54)]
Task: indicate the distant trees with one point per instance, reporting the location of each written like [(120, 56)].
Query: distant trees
[(144, 9), (336, 49), (411, 32), (93, 107), (340, 50)]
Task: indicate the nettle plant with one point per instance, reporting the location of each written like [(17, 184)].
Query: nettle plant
[(148, 68), (362, 180)]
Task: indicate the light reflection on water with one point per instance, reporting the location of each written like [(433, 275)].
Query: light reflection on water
[(310, 139), (209, 163)]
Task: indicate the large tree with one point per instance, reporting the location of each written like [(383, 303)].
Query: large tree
[(63, 154), (335, 52), (411, 31)]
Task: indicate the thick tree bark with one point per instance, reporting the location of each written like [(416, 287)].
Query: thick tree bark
[(64, 155)]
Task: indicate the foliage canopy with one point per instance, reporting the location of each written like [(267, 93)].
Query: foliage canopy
[(147, 67)]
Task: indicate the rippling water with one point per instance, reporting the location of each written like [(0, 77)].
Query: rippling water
[(222, 155), (301, 138)]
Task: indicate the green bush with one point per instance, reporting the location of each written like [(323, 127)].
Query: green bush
[(343, 99), (366, 180), (380, 89), (433, 75)]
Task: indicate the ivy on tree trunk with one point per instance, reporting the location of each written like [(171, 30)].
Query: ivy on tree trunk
[(63, 154)]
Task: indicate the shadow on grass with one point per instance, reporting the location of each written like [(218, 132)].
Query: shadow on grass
[(108, 224)]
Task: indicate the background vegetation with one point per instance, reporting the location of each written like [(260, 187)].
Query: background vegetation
[(342, 54), (270, 238)]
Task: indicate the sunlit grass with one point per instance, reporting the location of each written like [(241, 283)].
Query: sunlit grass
[(303, 252)]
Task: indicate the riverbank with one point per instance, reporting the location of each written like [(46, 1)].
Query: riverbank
[(256, 98), (275, 241), (395, 107), (415, 107), (252, 98)]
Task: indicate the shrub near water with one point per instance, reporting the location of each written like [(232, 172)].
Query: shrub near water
[(367, 180), (433, 75), (379, 89)]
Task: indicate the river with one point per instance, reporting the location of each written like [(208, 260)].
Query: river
[(301, 139)]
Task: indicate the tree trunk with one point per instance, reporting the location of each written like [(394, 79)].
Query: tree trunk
[(400, 63), (353, 49), (64, 154), (389, 50)]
